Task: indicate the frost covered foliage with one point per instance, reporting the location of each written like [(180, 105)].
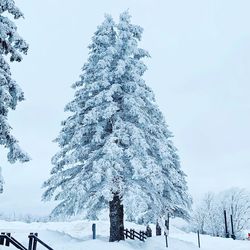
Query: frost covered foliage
[(208, 217), (12, 46), (116, 139)]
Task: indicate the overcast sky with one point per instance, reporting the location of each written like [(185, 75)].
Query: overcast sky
[(199, 71)]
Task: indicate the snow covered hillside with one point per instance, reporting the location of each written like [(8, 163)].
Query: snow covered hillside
[(77, 236)]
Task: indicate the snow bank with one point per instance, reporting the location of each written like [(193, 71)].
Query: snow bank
[(76, 235)]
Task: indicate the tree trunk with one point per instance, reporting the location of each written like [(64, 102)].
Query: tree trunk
[(116, 219)]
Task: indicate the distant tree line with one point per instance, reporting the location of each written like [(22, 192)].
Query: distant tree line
[(208, 216)]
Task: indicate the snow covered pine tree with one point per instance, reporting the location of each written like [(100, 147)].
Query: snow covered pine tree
[(10, 93), (116, 148)]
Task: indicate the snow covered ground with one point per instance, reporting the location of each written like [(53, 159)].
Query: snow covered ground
[(77, 236)]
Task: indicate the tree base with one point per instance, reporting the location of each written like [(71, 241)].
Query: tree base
[(116, 216)]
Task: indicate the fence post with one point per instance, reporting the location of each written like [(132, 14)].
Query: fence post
[(2, 239), (199, 242), (166, 233), (94, 231), (30, 241), (7, 242), (158, 229), (232, 227), (226, 229), (148, 231), (35, 242), (166, 238)]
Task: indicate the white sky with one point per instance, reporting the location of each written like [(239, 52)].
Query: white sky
[(199, 71)]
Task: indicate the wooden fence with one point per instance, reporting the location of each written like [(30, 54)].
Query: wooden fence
[(6, 240), (132, 234)]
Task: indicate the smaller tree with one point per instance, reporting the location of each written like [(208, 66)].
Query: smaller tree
[(201, 213)]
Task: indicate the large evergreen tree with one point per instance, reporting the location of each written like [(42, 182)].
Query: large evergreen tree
[(12, 46), (116, 148)]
